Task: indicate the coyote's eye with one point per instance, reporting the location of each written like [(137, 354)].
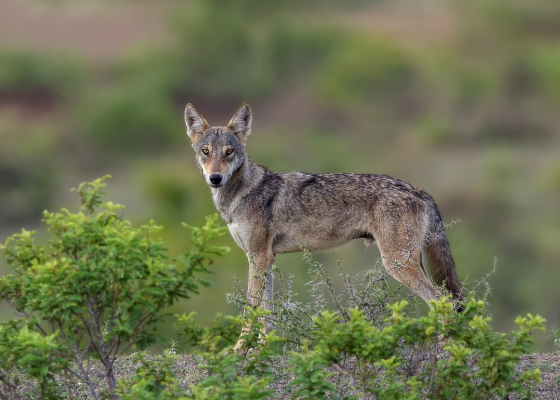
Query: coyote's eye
[(229, 151), (205, 151)]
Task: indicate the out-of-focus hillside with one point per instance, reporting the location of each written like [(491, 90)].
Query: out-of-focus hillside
[(459, 98)]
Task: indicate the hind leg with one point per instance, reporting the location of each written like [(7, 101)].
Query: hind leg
[(406, 267)]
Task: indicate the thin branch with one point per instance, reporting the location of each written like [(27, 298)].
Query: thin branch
[(350, 375)]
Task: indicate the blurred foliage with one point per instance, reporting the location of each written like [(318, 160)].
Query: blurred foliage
[(379, 69), (25, 189), (36, 73), (544, 63), (131, 118), (459, 98), (27, 170)]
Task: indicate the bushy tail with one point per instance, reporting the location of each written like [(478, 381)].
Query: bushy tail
[(440, 261)]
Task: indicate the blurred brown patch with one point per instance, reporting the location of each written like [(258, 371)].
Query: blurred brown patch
[(85, 27), (30, 101), (413, 23)]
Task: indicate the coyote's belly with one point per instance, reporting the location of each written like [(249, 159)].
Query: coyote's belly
[(315, 235), (288, 244)]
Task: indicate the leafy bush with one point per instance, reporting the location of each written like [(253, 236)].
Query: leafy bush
[(97, 290), (377, 346), (468, 360), (441, 355), (38, 354), (152, 380), (243, 374)]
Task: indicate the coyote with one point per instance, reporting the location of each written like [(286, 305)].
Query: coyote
[(270, 213)]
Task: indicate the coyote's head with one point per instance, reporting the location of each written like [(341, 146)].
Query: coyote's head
[(220, 150)]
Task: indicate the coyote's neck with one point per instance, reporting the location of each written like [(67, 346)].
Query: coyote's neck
[(243, 180)]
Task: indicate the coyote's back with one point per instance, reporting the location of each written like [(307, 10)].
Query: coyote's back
[(271, 213)]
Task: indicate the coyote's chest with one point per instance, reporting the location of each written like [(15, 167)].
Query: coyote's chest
[(239, 235)]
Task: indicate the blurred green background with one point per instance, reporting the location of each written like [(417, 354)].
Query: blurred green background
[(460, 98)]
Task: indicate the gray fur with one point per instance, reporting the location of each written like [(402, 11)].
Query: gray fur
[(270, 213)]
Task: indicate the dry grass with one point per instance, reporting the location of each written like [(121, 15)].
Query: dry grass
[(187, 370), (549, 364)]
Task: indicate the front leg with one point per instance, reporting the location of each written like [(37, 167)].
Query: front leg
[(260, 291), (260, 279), (268, 300)]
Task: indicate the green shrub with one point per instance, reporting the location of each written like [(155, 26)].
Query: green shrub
[(468, 360), (441, 355), (153, 380), (38, 354), (242, 374), (377, 346), (97, 289)]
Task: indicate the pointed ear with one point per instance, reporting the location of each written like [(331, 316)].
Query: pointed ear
[(196, 124), (241, 122)]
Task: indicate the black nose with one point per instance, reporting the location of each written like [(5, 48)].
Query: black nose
[(215, 179)]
